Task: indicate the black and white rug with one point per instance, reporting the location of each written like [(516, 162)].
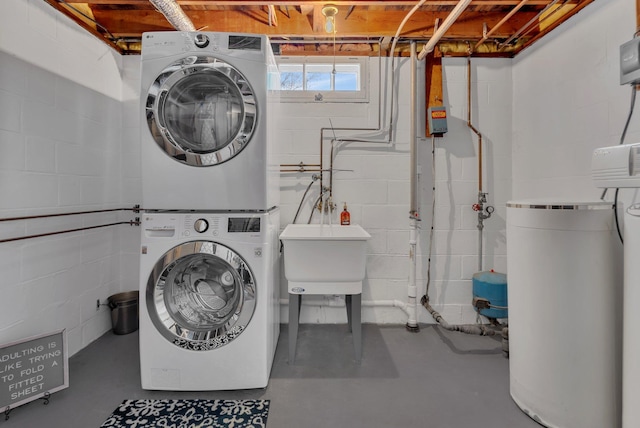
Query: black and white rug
[(189, 414)]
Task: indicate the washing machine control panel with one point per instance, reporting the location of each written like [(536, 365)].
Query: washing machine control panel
[(201, 40), (222, 227), (201, 225)]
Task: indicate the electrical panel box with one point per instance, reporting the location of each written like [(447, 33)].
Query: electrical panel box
[(630, 62), (437, 119)]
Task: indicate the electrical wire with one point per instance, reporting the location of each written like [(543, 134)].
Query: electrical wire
[(615, 214), (478, 329), (433, 212), (622, 137)]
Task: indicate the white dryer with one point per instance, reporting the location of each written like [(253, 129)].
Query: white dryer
[(208, 104), (209, 318)]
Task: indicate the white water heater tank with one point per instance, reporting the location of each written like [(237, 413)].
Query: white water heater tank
[(631, 338), (564, 313)]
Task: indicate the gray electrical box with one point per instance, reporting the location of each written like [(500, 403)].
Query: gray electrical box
[(630, 62), (437, 119)]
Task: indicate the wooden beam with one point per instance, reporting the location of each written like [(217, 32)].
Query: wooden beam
[(273, 18), (317, 22), (429, 3), (433, 83), (90, 29), (361, 23), (551, 27)]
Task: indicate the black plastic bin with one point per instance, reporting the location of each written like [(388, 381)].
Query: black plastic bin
[(124, 312)]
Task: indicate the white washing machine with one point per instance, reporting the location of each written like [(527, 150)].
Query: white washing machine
[(209, 318), (208, 107)]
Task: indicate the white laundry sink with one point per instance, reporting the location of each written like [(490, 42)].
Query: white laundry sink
[(324, 259)]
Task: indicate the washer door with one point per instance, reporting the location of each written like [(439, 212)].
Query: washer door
[(201, 295), (201, 111)]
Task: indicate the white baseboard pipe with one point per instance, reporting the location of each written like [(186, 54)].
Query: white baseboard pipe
[(334, 303)]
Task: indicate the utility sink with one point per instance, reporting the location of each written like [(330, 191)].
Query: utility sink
[(324, 258)]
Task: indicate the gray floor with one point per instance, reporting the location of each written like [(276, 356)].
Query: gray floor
[(433, 379)]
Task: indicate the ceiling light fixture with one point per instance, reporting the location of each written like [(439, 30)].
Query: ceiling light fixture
[(329, 11)]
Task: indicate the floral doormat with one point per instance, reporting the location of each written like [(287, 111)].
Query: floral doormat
[(189, 414)]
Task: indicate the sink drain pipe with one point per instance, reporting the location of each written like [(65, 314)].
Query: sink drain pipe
[(412, 289)]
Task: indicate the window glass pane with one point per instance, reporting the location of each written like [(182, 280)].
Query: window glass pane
[(341, 79), (319, 77), (347, 77), (291, 77)]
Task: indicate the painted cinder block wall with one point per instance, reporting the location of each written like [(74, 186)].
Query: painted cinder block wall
[(373, 178), (61, 125), (567, 101), (55, 70)]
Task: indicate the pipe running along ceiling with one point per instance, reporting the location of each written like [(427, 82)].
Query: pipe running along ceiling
[(493, 28)]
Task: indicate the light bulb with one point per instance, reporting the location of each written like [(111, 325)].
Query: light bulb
[(329, 24), (329, 11)]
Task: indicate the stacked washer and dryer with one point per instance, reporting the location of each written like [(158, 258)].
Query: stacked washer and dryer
[(209, 270)]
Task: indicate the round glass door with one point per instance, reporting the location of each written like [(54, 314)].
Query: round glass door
[(201, 295), (201, 111)]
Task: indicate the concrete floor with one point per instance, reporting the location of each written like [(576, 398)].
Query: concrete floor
[(434, 378)]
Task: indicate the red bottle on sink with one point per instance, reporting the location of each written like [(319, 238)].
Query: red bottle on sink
[(345, 217)]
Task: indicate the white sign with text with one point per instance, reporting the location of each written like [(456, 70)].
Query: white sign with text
[(33, 368)]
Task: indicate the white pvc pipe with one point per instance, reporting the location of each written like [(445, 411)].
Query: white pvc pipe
[(333, 303), (413, 137), (392, 54), (451, 18), (412, 289)]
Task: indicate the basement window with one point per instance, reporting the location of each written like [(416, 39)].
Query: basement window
[(313, 79)]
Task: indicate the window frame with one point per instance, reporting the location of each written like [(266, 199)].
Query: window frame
[(327, 96)]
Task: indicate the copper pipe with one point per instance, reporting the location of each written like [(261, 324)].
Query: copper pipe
[(136, 209), (300, 171), (553, 12), (525, 26), (472, 127), (499, 24), (20, 238)]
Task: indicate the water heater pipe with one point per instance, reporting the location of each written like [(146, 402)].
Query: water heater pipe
[(477, 132), (499, 24), (174, 14), (484, 211), (333, 303)]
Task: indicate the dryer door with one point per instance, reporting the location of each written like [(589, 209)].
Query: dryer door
[(201, 111), (201, 295)]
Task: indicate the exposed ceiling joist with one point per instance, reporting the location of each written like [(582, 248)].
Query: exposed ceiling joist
[(484, 24)]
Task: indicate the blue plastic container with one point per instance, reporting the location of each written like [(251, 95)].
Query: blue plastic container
[(493, 287)]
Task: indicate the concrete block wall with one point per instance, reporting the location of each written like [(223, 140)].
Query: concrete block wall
[(373, 178), (69, 138), (60, 133), (567, 101)]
